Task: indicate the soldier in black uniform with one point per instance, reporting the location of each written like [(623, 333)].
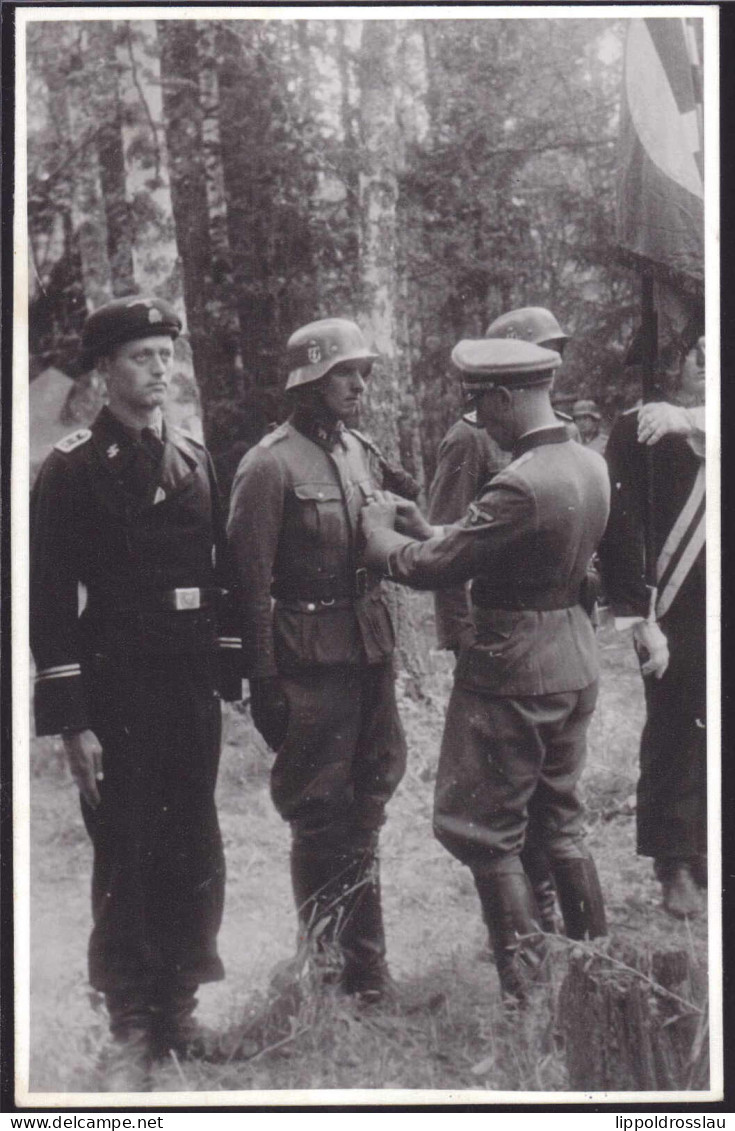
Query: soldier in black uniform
[(671, 638), (129, 510), (467, 461), (319, 659), (514, 743)]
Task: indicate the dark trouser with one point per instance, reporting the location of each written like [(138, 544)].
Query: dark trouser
[(158, 878), (343, 756), (672, 789), (506, 762), (342, 759)]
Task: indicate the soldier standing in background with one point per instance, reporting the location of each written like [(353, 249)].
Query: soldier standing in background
[(670, 640), (514, 742), (467, 461), (586, 415), (320, 660), (129, 509)]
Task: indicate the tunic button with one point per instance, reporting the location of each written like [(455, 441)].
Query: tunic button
[(311, 607), (320, 495)]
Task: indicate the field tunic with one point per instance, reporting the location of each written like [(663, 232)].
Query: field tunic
[(294, 530), (131, 525), (671, 810), (525, 689), (467, 460)]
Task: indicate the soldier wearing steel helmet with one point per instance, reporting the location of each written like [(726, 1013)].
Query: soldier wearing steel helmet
[(467, 461), (525, 688), (319, 657), (128, 508)]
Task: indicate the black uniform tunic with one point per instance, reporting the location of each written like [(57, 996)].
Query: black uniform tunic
[(131, 522)]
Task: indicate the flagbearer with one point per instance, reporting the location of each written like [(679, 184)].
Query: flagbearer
[(129, 509), (671, 640)]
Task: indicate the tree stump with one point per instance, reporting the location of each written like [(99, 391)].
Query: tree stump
[(634, 1021)]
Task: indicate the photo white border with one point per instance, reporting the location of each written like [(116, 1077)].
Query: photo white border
[(19, 565)]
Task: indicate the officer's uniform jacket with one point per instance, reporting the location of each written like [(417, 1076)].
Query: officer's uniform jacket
[(294, 529), (525, 545), (678, 468), (130, 539)]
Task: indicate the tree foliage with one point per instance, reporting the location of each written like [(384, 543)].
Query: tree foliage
[(266, 172)]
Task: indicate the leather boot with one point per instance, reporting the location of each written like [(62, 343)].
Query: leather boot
[(338, 900), (177, 1030), (317, 892), (580, 897), (512, 922), (537, 868), (362, 937), (125, 1063), (681, 896)]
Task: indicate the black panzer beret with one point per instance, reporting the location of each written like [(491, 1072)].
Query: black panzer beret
[(488, 362), (124, 320)]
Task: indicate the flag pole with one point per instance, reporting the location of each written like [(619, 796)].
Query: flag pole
[(649, 325)]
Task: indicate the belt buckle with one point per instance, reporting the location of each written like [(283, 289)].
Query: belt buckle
[(361, 579), (187, 599)]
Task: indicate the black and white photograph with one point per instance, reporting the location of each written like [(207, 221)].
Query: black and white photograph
[(365, 600)]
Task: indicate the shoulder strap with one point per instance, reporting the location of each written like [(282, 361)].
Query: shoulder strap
[(73, 440)]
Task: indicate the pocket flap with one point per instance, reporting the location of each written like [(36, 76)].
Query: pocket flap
[(318, 492)]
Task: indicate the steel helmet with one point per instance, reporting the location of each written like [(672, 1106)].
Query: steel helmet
[(317, 347), (530, 324)]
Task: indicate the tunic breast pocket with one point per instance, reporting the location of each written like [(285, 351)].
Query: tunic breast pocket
[(321, 511)]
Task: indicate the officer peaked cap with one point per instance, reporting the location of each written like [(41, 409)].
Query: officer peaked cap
[(487, 363), (125, 320)]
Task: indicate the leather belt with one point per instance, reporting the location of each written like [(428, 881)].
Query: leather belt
[(173, 600), (540, 603), (326, 592)]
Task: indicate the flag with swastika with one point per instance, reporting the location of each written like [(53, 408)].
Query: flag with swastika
[(661, 159)]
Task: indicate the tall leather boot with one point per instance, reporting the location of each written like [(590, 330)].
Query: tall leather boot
[(580, 897), (337, 896), (512, 921), (317, 894), (176, 1028), (538, 869), (125, 1063), (362, 937)]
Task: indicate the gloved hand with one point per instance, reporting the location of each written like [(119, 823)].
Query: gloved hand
[(269, 708), (652, 648)]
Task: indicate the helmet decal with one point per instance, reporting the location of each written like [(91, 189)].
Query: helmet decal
[(314, 352)]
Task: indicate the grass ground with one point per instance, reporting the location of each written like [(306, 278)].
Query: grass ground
[(447, 1031)]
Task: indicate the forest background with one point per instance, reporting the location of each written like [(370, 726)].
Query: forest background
[(420, 176)]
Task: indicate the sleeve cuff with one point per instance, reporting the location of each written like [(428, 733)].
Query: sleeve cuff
[(623, 623), (59, 702)]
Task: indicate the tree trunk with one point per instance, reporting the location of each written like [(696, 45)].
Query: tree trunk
[(156, 264), (180, 67), (390, 407), (636, 1023), (69, 108), (103, 37)]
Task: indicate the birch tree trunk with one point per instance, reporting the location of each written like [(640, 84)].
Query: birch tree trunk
[(180, 66), (390, 408), (155, 252)]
